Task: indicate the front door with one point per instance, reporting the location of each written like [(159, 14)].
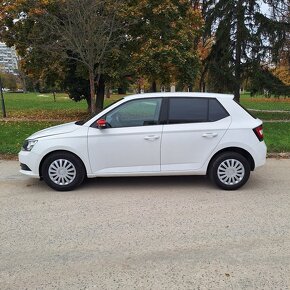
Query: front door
[(131, 142)]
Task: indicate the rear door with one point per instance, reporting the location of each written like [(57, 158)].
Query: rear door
[(194, 128)]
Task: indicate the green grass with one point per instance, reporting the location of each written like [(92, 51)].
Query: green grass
[(277, 136), (30, 102), (12, 135), (37, 101), (42, 106), (272, 116), (260, 103)]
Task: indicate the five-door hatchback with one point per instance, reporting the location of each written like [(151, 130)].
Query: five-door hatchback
[(151, 134)]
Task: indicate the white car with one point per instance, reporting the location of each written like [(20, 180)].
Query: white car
[(148, 135)]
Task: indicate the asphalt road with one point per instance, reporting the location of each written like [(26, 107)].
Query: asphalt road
[(146, 233)]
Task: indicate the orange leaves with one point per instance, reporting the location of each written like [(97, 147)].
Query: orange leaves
[(282, 72), (165, 7), (204, 48)]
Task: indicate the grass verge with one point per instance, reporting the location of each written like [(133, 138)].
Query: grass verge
[(260, 103), (30, 102), (12, 134), (272, 116), (277, 136)]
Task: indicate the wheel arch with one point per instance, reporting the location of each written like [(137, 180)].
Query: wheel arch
[(59, 151), (241, 151)]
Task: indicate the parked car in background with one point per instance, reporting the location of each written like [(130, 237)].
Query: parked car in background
[(151, 134)]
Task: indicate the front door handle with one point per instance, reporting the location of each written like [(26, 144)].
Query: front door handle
[(209, 135), (151, 137)]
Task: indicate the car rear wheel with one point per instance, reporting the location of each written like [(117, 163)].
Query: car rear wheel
[(63, 171), (229, 170)]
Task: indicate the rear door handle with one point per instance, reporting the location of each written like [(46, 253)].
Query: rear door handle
[(151, 137), (209, 135)]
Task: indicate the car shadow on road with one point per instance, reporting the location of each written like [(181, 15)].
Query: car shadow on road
[(155, 183), (161, 182)]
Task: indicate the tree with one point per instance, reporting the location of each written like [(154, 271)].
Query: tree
[(263, 80), (9, 81), (244, 37), (162, 41), (82, 30), (86, 31)]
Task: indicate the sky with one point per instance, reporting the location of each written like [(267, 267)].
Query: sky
[(264, 8)]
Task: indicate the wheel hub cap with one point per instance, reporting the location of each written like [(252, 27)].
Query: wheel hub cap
[(62, 172), (231, 172)]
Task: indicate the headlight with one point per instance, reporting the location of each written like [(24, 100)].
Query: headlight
[(29, 144)]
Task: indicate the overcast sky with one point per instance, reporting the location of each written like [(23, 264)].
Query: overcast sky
[(264, 8)]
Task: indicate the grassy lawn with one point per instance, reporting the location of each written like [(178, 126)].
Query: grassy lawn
[(19, 104), (272, 116), (260, 103), (277, 136), (12, 134), (33, 106)]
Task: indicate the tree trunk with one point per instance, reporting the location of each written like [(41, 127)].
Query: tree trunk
[(92, 91), (202, 83), (23, 80), (239, 39), (154, 87), (108, 92), (88, 99), (100, 94)]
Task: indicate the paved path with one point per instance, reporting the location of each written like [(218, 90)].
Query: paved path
[(146, 233), (270, 111)]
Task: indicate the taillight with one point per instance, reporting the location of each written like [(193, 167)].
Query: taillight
[(259, 132)]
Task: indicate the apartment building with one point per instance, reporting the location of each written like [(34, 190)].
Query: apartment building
[(8, 59)]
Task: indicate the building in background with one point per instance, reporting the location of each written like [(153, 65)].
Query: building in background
[(8, 59)]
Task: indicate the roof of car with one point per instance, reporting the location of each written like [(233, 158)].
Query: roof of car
[(181, 94)]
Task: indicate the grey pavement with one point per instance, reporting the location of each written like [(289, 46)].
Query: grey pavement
[(146, 233)]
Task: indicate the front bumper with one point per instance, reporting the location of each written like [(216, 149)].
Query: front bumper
[(29, 160)]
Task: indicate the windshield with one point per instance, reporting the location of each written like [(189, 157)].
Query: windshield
[(81, 122)]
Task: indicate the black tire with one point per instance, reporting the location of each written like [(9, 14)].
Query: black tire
[(229, 170), (63, 171)]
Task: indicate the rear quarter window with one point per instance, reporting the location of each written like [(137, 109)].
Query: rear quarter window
[(216, 111)]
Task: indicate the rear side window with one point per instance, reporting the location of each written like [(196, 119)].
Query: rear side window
[(216, 111), (195, 110), (187, 110)]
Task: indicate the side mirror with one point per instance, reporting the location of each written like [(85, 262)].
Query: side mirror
[(102, 124)]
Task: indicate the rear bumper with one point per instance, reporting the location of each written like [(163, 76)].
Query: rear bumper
[(260, 154)]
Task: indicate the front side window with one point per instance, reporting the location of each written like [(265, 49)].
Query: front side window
[(141, 112), (187, 110)]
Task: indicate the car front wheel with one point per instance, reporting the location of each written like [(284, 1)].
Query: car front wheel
[(63, 171), (229, 170)]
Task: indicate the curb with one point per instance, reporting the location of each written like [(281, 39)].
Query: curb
[(283, 155)]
